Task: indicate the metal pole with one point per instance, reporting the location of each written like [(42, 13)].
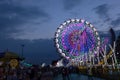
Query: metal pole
[(22, 49)]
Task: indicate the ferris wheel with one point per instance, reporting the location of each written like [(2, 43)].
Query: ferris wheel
[(76, 37)]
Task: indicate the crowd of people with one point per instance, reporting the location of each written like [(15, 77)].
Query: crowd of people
[(33, 73), (40, 73), (105, 72), (19, 73)]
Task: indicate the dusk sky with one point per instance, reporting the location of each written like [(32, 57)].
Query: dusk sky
[(34, 22)]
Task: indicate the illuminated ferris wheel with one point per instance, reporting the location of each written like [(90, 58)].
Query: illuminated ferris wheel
[(76, 37)]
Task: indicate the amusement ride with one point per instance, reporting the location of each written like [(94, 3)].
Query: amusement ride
[(78, 41)]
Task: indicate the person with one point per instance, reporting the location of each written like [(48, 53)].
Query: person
[(110, 70), (65, 74), (14, 76), (89, 73)]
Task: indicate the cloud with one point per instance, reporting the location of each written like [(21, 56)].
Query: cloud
[(32, 31), (14, 14), (116, 23), (70, 4), (102, 12)]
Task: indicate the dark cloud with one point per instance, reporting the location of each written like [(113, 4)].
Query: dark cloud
[(12, 15), (37, 51), (118, 14), (116, 23), (70, 4), (102, 11)]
